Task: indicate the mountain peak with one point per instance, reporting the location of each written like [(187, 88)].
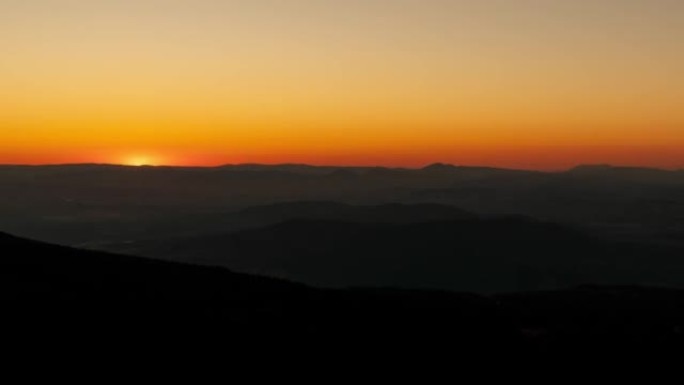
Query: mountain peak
[(440, 167)]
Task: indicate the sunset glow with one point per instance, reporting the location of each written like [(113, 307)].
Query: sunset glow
[(529, 84), (140, 160)]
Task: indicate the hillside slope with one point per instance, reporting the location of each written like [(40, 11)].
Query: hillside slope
[(482, 255), (55, 297)]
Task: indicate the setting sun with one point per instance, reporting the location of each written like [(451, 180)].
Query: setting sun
[(527, 84), (141, 160)]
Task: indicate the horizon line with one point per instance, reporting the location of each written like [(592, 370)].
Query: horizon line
[(227, 165)]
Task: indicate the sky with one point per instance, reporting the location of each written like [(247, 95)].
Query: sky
[(542, 84)]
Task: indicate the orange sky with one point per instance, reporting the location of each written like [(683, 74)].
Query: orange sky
[(530, 83)]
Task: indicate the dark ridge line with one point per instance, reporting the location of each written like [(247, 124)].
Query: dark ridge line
[(431, 167)]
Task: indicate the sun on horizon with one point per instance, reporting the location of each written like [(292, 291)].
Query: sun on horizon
[(140, 160), (524, 84)]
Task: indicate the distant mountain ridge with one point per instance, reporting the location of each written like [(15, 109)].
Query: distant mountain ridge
[(384, 213), (310, 167), (463, 253), (92, 204)]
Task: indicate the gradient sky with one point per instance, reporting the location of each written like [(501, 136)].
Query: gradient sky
[(541, 84)]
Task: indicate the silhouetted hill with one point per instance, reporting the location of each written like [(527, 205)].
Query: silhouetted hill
[(38, 271), (67, 297), (87, 204), (440, 167), (470, 254), (182, 226), (65, 293), (386, 213)]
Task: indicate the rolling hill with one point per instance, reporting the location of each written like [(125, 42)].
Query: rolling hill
[(468, 254), (54, 297)]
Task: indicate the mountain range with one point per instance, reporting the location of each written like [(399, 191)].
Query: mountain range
[(439, 249), (90, 204)]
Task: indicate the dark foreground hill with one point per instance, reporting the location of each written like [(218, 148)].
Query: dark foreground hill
[(68, 295), (468, 254)]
